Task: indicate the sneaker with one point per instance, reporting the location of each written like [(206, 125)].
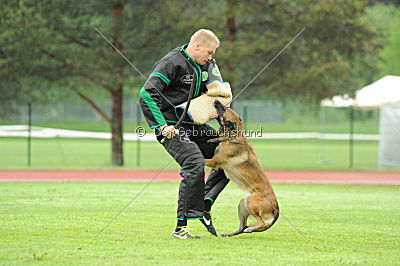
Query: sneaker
[(183, 233), (207, 222)]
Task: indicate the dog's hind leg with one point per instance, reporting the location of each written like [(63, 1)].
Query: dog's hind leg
[(263, 212), (243, 214), (258, 227)]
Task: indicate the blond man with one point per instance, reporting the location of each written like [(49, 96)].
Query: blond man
[(168, 87)]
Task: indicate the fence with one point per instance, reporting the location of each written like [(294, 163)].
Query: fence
[(273, 117), (251, 111)]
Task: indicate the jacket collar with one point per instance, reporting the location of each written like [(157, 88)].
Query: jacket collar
[(187, 56)]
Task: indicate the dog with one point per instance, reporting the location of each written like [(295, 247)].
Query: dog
[(236, 156)]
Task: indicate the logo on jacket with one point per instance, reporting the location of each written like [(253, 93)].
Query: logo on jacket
[(187, 79)]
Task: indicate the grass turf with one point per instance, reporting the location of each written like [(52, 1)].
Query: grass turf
[(56, 223), (298, 154)]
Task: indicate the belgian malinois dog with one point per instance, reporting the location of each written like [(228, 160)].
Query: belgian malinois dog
[(236, 156)]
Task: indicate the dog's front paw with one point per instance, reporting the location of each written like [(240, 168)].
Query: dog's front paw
[(214, 140), (211, 163), (225, 235)]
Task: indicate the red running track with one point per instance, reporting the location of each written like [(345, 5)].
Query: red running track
[(321, 177)]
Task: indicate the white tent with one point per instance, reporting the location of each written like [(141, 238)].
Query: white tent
[(383, 94)]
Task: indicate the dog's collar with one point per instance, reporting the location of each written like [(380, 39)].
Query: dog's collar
[(231, 140), (228, 138)]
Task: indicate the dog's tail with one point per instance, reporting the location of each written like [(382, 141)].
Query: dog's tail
[(275, 212)]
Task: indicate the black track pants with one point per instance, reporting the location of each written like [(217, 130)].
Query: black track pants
[(189, 150)]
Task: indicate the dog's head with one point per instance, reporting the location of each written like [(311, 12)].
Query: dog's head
[(231, 124)]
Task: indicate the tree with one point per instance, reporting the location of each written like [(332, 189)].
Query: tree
[(385, 22), (391, 53), (18, 61), (54, 43), (390, 64), (388, 2), (66, 51), (318, 64)]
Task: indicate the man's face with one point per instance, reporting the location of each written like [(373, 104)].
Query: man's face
[(204, 53)]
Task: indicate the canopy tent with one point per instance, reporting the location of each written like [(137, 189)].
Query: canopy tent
[(385, 95), (384, 92)]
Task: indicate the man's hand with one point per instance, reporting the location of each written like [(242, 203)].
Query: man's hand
[(169, 131)]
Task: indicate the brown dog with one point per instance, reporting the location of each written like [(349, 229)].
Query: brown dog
[(236, 156)]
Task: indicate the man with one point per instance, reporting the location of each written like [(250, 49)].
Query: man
[(167, 87)]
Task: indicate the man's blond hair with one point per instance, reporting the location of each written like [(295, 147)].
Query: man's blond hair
[(204, 37)]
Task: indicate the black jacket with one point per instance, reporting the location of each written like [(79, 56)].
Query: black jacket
[(169, 83)]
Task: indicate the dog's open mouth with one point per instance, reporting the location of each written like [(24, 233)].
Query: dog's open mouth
[(227, 127), (220, 111)]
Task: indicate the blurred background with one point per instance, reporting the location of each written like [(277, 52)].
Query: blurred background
[(68, 100)]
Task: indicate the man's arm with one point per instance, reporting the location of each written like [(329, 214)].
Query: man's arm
[(202, 108), (213, 73), (151, 98)]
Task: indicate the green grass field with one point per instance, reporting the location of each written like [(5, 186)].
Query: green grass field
[(299, 154), (56, 223)]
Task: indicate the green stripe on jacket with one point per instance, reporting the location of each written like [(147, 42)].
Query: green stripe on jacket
[(198, 74), (161, 76), (153, 108)]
